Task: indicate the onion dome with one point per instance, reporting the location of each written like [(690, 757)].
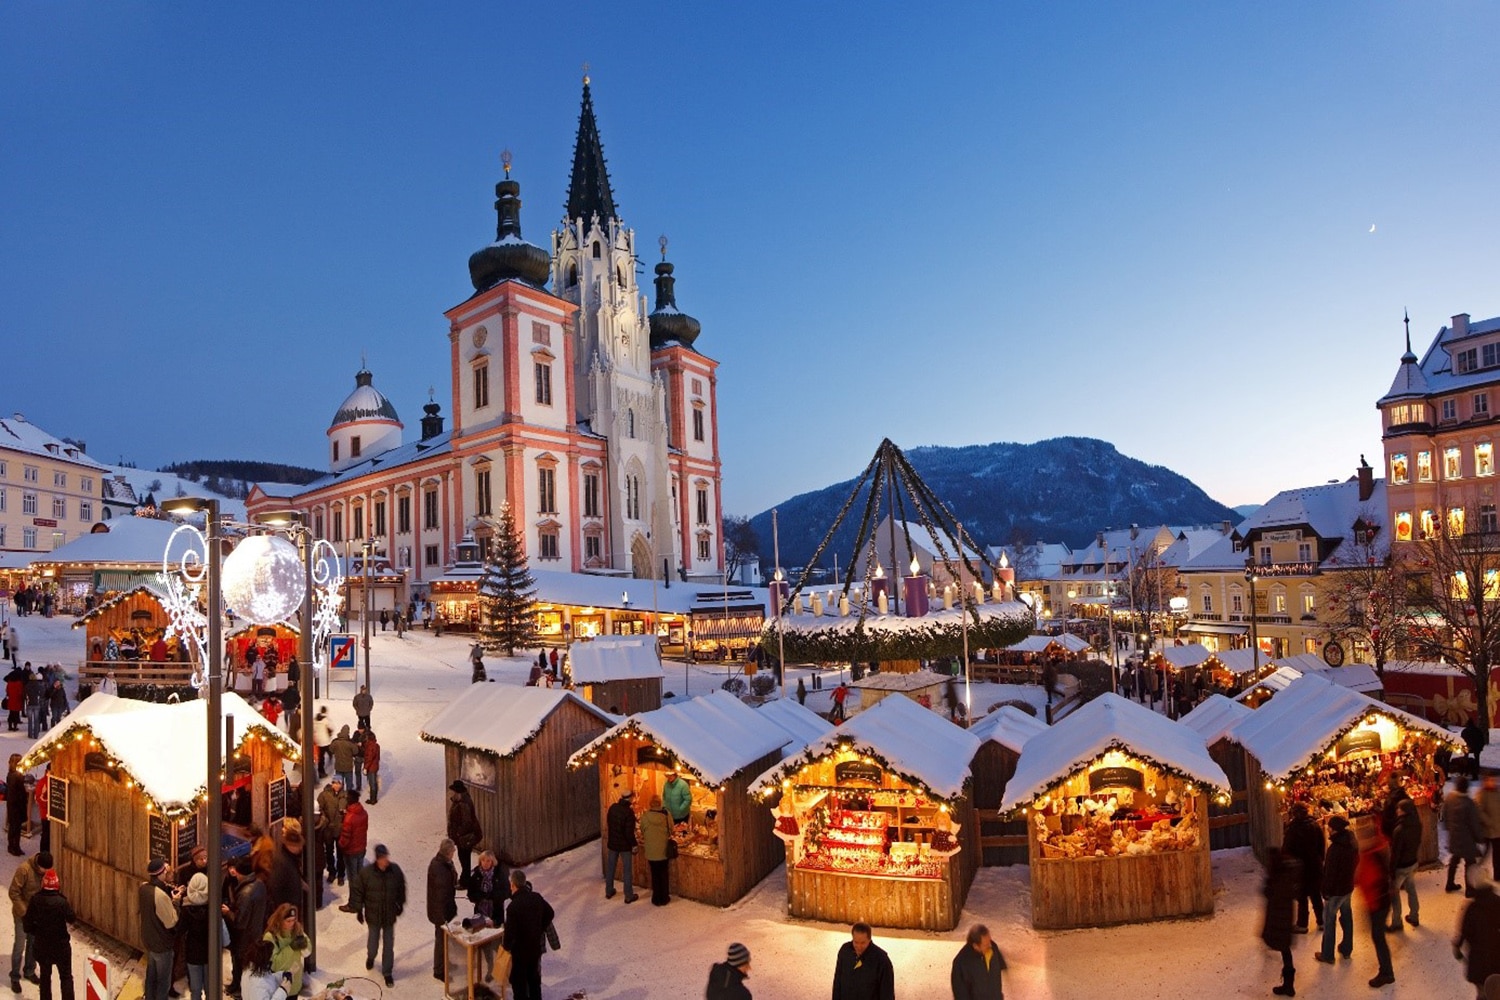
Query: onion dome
[(509, 256), (365, 403), (668, 325)]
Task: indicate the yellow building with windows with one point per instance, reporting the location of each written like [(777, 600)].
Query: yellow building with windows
[(50, 490)]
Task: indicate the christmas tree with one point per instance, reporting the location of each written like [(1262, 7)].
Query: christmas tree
[(507, 592)]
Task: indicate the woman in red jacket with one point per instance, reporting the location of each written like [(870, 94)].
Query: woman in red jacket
[(354, 835), (1373, 880)]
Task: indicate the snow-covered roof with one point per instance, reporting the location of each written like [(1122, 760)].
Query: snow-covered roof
[(1423, 667), (1040, 643), (1243, 660), (156, 589), (614, 658), (134, 541), (16, 560), (501, 719), (1434, 373), (714, 737), (385, 461), (365, 403), (1109, 722), (589, 590), (801, 723), (1214, 716), (889, 681), (19, 434), (1008, 726), (1277, 680), (1328, 510), (919, 745), (1307, 717), (1359, 677), (830, 621), (161, 746), (1181, 657)]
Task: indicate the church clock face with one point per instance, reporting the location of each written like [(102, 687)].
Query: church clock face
[(481, 334)]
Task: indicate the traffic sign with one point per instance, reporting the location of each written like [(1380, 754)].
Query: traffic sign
[(341, 652)]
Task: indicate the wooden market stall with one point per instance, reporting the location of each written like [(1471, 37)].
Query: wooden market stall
[(276, 644), (1003, 733), (1116, 801), (126, 783), (922, 686), (510, 746), (1212, 719), (620, 674), (878, 820), (718, 745), (120, 639), (1336, 750)]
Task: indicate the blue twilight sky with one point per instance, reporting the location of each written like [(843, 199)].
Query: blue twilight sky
[(1143, 222)]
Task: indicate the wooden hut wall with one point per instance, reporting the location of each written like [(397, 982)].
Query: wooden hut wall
[(1001, 841), (538, 807), (628, 696), (1264, 811), (1229, 826), (1099, 892), (142, 671)]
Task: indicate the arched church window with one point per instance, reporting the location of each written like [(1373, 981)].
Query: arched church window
[(572, 274), (620, 276), (596, 249), (630, 423)]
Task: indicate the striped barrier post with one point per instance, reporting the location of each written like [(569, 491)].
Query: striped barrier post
[(96, 987)]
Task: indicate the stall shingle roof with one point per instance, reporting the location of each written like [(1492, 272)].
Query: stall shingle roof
[(614, 658), (802, 724), (1108, 722), (1008, 726), (1181, 657), (1214, 716), (501, 719), (714, 737)]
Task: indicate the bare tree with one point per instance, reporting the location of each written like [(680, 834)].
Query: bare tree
[(741, 544), (1368, 595), (1025, 553)]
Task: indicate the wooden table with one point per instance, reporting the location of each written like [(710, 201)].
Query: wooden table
[(463, 965)]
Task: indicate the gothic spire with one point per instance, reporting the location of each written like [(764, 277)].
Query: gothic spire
[(1408, 358), (589, 193)]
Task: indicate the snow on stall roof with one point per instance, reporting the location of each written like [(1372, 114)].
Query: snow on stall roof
[(801, 723), (1304, 720), (614, 658), (1243, 661), (1008, 726), (1108, 722), (916, 743), (133, 540), (500, 718), (714, 737), (887, 681), (589, 590), (1277, 680), (1039, 643), (1190, 655), (1359, 677), (1433, 667), (1214, 716), (161, 745), (16, 560)]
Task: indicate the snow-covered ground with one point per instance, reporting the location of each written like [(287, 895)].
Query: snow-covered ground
[(640, 952)]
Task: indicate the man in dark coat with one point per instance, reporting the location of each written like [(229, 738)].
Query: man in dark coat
[(1338, 887), (526, 921), (620, 842), (442, 899), (1479, 928), (1406, 843), (726, 980), (1465, 832), (863, 970), (285, 884), (378, 898), (1283, 883), (977, 968), (47, 918), (17, 803), (463, 824), (1475, 739), (1303, 840), (157, 905), (249, 919)]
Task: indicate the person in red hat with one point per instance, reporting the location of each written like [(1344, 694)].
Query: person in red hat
[(47, 918)]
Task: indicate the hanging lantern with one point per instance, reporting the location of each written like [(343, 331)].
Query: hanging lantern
[(263, 579)]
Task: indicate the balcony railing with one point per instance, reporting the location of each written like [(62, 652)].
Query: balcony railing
[(1287, 569)]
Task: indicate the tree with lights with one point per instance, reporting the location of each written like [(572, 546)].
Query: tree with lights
[(507, 590)]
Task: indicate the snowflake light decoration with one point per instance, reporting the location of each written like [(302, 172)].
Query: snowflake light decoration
[(184, 578), (328, 585)]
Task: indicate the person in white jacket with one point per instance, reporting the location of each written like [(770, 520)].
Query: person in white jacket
[(322, 736)]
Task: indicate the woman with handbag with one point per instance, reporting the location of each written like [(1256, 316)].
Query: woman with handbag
[(657, 842)]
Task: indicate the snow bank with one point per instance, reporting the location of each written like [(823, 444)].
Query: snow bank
[(500, 720)]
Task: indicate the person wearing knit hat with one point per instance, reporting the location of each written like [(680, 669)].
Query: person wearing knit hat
[(157, 907), (195, 932), (726, 980), (47, 918)]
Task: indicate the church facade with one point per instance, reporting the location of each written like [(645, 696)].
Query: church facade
[(592, 416)]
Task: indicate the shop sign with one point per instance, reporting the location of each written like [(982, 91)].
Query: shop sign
[(278, 790), (1116, 777), (187, 839), (57, 799), (851, 771), (44, 522), (1357, 741), (1294, 535), (159, 835)]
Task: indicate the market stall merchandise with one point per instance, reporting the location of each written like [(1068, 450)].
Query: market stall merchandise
[(126, 783), (1003, 734), (121, 636), (507, 742), (620, 674), (716, 744), (275, 644), (878, 819), (1336, 751), (1115, 798), (1212, 719)]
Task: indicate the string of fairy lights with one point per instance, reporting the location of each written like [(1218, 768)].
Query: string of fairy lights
[(780, 778)]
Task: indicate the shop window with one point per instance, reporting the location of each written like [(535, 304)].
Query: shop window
[(1455, 521), (644, 772), (1403, 525), (1428, 524), (547, 547), (1484, 459), (591, 494), (430, 555), (1400, 472), (1424, 466)]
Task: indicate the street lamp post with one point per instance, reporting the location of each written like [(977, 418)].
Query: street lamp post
[(1250, 577), (364, 571)]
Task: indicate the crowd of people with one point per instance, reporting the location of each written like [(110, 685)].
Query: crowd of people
[(38, 695)]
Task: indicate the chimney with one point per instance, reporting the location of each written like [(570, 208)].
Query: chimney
[(1367, 476), (1225, 527), (1461, 325), (432, 423), (1099, 539)]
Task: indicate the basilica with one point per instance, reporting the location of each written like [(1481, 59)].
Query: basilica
[(588, 411)]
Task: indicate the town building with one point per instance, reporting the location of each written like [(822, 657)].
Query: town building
[(51, 491), (593, 417)]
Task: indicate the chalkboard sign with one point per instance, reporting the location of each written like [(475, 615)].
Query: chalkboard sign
[(1357, 741), (160, 837), (851, 771), (1116, 777), (57, 799), (278, 800), (187, 839)]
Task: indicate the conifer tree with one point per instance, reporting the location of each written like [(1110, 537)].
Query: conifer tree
[(507, 591)]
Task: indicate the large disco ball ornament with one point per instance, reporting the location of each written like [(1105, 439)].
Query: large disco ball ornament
[(263, 580)]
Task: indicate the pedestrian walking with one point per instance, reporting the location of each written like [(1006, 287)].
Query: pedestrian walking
[(1373, 876), (247, 920), (322, 737), (1338, 886), (1406, 844), (1282, 885), (24, 884), (862, 970), (364, 706), (378, 898), (1303, 840), (442, 900), (372, 765), (1488, 803), (656, 844), (258, 676), (57, 700), (343, 751), (801, 691), (840, 694), (289, 946), (285, 884), (1479, 932), (353, 837), (1475, 740), (291, 705), (527, 920), (476, 659), (977, 967), (17, 805), (1465, 833), (726, 980), (158, 912), (47, 918), (36, 702), (463, 825), (15, 644), (194, 924), (620, 842), (332, 802)]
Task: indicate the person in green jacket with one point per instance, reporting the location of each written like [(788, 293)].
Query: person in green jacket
[(678, 797), (656, 834), (378, 897), (289, 945)]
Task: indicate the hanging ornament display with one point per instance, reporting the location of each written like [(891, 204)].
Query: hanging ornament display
[(264, 580)]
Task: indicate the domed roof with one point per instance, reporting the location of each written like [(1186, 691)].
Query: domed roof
[(509, 256), (669, 325), (365, 403)]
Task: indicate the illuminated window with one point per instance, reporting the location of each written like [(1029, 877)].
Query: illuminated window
[(1403, 525), (1484, 459), (1424, 466), (1491, 584), (1400, 470), (1309, 602), (1453, 463), (1460, 588), (1278, 603), (1309, 645), (1428, 523), (1455, 521)]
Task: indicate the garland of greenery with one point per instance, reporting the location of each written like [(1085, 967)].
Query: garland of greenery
[(825, 639), (1401, 719), (1088, 763), (771, 782)]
